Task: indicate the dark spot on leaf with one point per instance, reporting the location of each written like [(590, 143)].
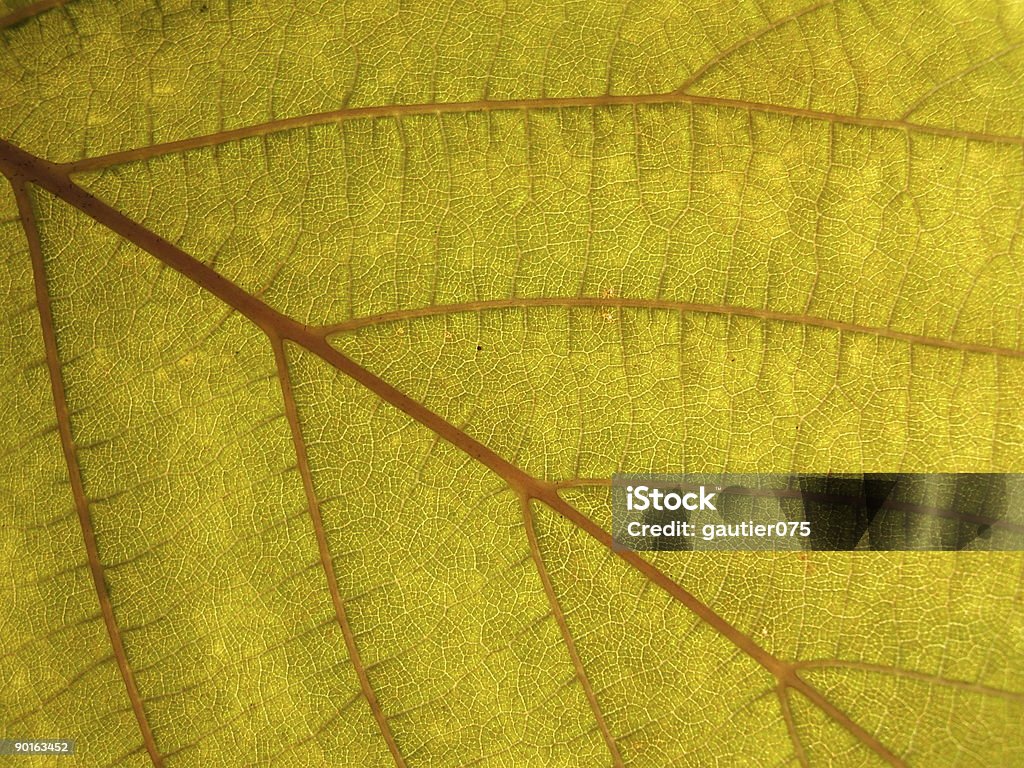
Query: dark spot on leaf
[(478, 348)]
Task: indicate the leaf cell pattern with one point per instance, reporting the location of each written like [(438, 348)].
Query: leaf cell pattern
[(324, 326)]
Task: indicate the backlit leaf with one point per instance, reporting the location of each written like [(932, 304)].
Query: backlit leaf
[(324, 327)]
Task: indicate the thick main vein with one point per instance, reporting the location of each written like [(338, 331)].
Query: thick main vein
[(496, 105), (21, 167), (29, 10)]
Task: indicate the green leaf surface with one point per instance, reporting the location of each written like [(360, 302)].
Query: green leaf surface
[(324, 327)]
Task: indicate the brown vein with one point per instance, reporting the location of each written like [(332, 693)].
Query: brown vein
[(26, 12), (784, 672), (74, 472), (924, 677), (292, 414), (725, 53), (583, 482), (20, 166), (675, 306), (794, 736), (491, 105), (563, 626)]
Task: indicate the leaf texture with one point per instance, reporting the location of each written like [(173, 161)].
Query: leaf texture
[(325, 325)]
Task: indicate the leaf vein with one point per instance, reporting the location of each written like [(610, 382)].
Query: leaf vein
[(74, 471), (29, 11), (671, 305), (563, 626), (20, 167), (398, 111), (753, 37), (291, 411)]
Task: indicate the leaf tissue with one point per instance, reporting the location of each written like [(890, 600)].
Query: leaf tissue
[(326, 325)]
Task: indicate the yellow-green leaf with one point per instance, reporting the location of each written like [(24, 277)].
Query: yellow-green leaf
[(324, 327)]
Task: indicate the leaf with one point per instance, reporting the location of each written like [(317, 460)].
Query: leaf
[(324, 327)]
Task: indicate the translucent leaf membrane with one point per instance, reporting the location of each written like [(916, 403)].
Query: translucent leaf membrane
[(87, 79), (57, 671), (590, 390), (702, 204), (201, 523), (319, 477)]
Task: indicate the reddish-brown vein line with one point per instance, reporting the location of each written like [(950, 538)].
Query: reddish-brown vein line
[(669, 305), (783, 671), (490, 105), (964, 685), (563, 627), (787, 716), (19, 15), (292, 414), (20, 165), (922, 100), (74, 473)]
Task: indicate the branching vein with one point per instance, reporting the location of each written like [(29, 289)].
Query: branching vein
[(291, 412), (563, 627)]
